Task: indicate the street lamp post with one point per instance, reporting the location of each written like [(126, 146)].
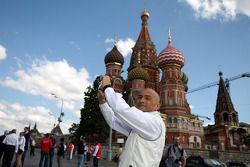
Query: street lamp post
[(109, 157), (61, 113)]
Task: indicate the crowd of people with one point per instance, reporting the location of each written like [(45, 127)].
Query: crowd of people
[(13, 146)]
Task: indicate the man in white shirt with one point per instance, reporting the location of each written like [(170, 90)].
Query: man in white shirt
[(11, 146), (142, 124)]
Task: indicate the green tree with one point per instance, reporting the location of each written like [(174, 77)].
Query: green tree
[(92, 124), (247, 139)]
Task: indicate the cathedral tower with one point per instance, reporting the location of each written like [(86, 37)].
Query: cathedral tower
[(145, 48), (114, 61), (225, 113), (174, 104), (225, 133)]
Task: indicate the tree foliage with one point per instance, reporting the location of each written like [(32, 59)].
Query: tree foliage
[(247, 139), (92, 123)]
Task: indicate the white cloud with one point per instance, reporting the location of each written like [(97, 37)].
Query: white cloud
[(123, 45), (17, 116), (219, 9), (3, 53), (45, 77), (42, 78)]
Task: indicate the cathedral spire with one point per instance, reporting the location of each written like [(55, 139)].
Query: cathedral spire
[(144, 34), (169, 35), (169, 38), (225, 113), (148, 56)]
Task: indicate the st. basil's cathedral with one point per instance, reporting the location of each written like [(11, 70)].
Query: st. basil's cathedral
[(164, 74)]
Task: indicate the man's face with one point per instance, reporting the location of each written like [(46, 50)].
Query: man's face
[(147, 101), (176, 141)]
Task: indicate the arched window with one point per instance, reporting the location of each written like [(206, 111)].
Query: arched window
[(225, 117), (234, 117)]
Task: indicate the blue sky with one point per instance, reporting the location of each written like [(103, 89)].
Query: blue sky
[(59, 47)]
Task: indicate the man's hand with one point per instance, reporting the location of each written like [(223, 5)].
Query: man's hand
[(101, 97), (105, 82)]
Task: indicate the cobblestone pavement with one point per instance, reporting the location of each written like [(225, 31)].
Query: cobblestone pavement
[(34, 161)]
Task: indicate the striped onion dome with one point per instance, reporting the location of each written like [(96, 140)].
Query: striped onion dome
[(114, 56), (170, 55), (138, 73)]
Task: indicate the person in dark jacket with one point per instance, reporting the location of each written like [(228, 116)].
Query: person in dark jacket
[(52, 150), (27, 139), (2, 145), (60, 152), (80, 152)]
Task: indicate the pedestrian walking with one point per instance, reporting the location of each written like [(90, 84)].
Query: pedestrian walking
[(45, 145), (97, 154), (2, 145), (27, 139), (175, 155), (52, 150), (60, 152), (19, 152), (11, 145), (32, 146), (80, 153), (70, 149)]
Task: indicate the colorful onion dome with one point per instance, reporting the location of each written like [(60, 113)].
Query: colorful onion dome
[(138, 73), (114, 56), (170, 55)]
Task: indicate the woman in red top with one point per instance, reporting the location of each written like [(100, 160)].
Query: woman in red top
[(70, 148)]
